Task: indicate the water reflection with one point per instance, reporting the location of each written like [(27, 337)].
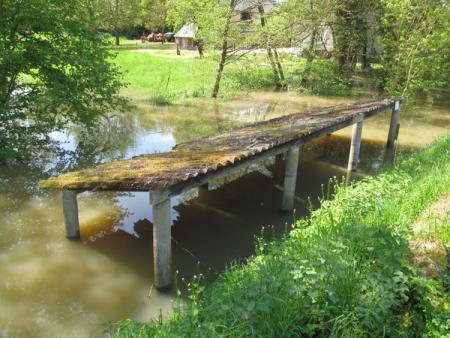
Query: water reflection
[(52, 287)]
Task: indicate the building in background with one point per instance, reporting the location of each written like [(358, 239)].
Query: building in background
[(184, 38)]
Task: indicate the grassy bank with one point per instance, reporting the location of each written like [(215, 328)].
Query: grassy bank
[(371, 262), (156, 73), (164, 79)]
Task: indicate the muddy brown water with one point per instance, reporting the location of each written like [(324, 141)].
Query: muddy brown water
[(53, 287)]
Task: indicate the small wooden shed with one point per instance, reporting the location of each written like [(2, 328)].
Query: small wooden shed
[(184, 38)]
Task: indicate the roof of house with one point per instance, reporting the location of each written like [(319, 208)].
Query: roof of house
[(187, 31), (252, 6)]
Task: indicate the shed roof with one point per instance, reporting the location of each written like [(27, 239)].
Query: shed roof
[(252, 6), (187, 31)]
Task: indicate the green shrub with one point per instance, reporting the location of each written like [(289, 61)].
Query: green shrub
[(319, 77)]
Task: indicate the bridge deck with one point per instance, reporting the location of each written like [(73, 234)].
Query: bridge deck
[(194, 163)]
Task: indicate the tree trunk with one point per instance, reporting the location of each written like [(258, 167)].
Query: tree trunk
[(364, 57), (223, 58), (117, 36), (224, 53), (116, 28), (273, 65), (200, 47), (277, 70), (280, 68), (309, 58)]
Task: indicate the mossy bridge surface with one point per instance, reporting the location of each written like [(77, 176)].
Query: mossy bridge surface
[(197, 163)]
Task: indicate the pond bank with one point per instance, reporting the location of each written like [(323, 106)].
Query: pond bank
[(341, 272)]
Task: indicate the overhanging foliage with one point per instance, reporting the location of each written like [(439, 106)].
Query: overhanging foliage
[(53, 72)]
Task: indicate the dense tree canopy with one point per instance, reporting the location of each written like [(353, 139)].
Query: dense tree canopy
[(416, 37), (353, 26), (115, 15), (152, 15), (53, 72)]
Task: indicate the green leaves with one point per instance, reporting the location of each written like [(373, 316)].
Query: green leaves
[(54, 72), (416, 37)]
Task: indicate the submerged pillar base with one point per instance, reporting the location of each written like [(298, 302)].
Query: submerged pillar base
[(162, 241), (355, 146), (394, 129), (290, 179), (70, 211)]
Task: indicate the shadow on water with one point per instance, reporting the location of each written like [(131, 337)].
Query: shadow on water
[(52, 287), (219, 226)]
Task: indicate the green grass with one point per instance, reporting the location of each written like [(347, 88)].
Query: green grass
[(154, 71), (349, 270), (164, 79)]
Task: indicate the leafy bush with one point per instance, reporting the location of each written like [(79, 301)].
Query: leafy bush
[(246, 76), (318, 77)]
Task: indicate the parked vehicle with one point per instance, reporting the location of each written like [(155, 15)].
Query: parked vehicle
[(169, 36)]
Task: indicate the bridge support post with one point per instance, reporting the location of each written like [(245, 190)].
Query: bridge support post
[(290, 179), (70, 211), (162, 240), (394, 129), (355, 146)]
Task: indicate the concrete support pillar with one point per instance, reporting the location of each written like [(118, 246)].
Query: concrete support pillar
[(394, 129), (355, 146), (162, 240), (70, 211), (290, 179)]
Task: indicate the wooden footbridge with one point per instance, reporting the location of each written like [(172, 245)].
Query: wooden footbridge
[(197, 163)]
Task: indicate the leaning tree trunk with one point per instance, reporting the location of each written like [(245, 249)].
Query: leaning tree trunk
[(309, 58), (279, 67), (224, 53), (277, 70), (223, 58), (273, 65)]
